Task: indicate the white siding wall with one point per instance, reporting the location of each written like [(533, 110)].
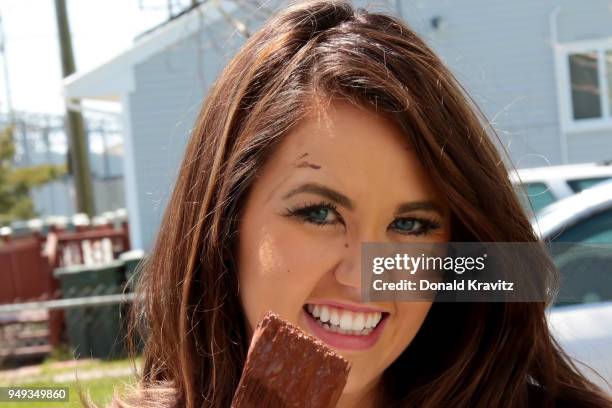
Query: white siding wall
[(58, 197), (54, 198), (501, 51), (169, 90)]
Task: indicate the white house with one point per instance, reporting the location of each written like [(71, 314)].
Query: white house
[(160, 83), (541, 71)]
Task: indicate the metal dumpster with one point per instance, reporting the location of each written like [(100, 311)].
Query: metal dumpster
[(94, 330)]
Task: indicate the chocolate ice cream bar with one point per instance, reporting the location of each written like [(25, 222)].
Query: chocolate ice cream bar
[(286, 367)]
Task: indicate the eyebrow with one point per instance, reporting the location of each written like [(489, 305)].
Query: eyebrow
[(323, 191), (418, 206), (346, 202)]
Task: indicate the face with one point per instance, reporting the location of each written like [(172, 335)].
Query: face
[(340, 178)]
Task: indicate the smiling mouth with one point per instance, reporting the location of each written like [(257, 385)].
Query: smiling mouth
[(343, 321)]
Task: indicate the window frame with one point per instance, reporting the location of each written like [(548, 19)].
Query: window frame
[(564, 88)]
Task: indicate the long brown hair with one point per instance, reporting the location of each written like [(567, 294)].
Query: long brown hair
[(471, 354)]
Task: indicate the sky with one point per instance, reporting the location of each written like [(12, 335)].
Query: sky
[(100, 30)]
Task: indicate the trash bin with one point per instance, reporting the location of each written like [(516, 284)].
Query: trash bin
[(94, 330), (131, 259)]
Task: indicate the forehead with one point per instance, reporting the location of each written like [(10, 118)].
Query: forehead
[(354, 148), (341, 130)]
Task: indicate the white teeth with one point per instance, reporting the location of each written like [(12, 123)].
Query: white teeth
[(324, 314), (346, 320), (368, 322), (334, 317), (375, 319), (359, 322)]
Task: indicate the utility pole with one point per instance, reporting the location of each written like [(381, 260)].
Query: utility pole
[(79, 146)]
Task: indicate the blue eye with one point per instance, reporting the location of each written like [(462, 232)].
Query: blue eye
[(318, 214), (414, 226), (405, 224), (322, 214)]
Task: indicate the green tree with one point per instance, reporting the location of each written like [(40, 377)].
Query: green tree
[(15, 183)]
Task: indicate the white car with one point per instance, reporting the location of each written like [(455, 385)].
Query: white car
[(545, 185), (583, 217), (585, 333), (584, 330)]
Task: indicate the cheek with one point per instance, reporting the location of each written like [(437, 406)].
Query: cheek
[(278, 269), (409, 319)]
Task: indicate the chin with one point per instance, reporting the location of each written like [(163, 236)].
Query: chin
[(360, 378)]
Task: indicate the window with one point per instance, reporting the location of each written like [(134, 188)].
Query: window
[(586, 99), (608, 67), (586, 276), (536, 195), (596, 229), (582, 184), (586, 85)]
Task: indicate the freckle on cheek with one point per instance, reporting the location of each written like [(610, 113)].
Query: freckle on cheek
[(346, 245)]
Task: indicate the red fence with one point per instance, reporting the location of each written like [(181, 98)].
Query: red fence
[(27, 264), (24, 271)]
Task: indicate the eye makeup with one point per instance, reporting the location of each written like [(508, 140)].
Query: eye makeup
[(313, 211), (318, 214)]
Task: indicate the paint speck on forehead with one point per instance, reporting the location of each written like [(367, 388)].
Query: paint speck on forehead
[(307, 164)]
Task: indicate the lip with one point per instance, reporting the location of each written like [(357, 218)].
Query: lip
[(344, 341), (347, 306)]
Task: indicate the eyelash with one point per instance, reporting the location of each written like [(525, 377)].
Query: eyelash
[(302, 213)]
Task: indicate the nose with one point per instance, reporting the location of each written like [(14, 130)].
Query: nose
[(348, 272)]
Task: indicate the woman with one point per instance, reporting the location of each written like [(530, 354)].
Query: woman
[(332, 127)]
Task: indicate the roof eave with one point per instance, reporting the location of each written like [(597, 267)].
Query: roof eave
[(114, 78)]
